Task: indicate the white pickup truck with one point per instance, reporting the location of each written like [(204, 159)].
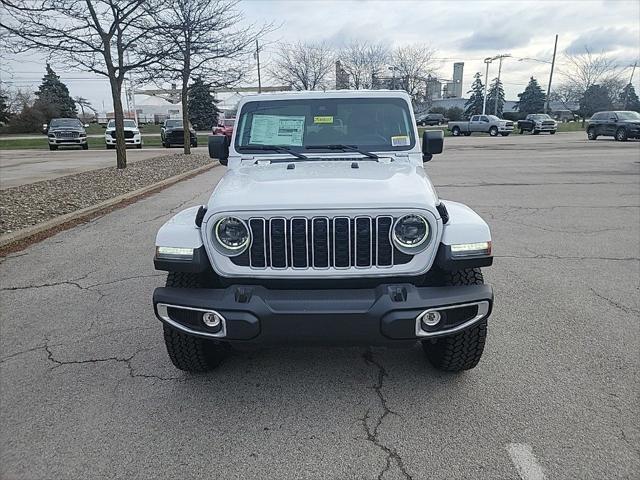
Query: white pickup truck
[(324, 229), (490, 124)]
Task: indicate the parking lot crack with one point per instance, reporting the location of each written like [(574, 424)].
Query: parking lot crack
[(73, 283), (372, 433), (615, 304)]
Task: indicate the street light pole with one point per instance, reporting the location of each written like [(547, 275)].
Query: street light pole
[(487, 60), (553, 62), (258, 60), (393, 76), (626, 94)]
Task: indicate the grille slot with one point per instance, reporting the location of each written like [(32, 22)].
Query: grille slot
[(321, 243)]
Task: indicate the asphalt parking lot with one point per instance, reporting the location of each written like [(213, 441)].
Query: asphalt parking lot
[(88, 391)]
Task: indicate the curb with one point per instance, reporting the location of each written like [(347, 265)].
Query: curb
[(8, 242)]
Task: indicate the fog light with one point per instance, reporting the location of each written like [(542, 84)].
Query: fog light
[(212, 319), (431, 319)]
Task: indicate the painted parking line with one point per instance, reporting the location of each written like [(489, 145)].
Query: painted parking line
[(525, 461)]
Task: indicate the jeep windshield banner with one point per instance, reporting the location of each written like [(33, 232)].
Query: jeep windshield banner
[(372, 123)]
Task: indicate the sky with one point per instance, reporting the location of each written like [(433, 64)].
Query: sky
[(459, 30)]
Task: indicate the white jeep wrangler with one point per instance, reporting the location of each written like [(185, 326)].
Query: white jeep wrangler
[(325, 229)]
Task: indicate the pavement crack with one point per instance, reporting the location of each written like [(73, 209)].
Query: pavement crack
[(615, 304), (392, 456), (73, 283)]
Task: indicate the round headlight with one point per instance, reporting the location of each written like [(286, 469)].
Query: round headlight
[(232, 234), (410, 231)]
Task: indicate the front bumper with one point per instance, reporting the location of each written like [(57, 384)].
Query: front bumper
[(386, 314), (67, 141), (136, 140), (505, 128)]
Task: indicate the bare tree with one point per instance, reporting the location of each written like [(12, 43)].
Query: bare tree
[(585, 69), (303, 66), (364, 62), (413, 64), (84, 103), (106, 37), (567, 95), (208, 40)]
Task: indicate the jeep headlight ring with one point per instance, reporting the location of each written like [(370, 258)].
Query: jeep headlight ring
[(232, 235), (410, 233)]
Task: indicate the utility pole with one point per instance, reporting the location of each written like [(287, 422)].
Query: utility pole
[(553, 62), (257, 55), (487, 60), (495, 109), (626, 94), (393, 76)]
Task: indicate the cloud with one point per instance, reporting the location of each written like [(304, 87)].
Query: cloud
[(604, 40), (495, 39)]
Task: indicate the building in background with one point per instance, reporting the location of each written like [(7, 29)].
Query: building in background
[(434, 88)]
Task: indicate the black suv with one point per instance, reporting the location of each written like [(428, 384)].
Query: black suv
[(172, 133), (431, 119), (67, 132), (619, 125)]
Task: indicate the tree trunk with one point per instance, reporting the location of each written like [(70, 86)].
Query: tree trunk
[(185, 116), (121, 147)]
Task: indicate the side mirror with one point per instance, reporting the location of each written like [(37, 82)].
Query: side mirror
[(432, 144), (219, 148)]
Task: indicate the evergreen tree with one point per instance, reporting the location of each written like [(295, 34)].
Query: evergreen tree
[(203, 112), (4, 109), (495, 94), (629, 97), (595, 99), (53, 98), (455, 114), (532, 99), (474, 104)]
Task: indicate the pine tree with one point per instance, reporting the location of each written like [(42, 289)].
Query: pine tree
[(53, 98), (4, 109), (474, 104), (629, 101), (595, 99), (532, 99), (495, 94), (203, 112)]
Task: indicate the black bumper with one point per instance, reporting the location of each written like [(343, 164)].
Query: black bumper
[(382, 315)]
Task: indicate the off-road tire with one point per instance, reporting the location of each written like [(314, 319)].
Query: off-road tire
[(188, 353), (493, 131), (621, 134), (460, 351), (591, 134)]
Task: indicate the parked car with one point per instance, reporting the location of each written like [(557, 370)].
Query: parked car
[(431, 119), (132, 134), (64, 132), (172, 133), (538, 122), (225, 127), (482, 123), (327, 235), (620, 125)]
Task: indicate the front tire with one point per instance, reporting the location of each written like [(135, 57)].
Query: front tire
[(85, 146), (53, 147), (621, 135), (460, 351), (493, 131), (591, 134), (552, 132), (188, 353)]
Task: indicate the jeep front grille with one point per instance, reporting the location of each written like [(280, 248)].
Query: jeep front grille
[(320, 243)]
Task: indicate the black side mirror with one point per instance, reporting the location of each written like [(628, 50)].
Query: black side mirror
[(432, 144), (219, 148)]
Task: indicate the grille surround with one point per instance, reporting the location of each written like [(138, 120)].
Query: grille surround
[(324, 252)]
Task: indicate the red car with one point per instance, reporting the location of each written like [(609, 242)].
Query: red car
[(225, 127)]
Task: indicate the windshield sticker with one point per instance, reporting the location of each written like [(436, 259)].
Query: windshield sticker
[(400, 141), (277, 130), (325, 119)]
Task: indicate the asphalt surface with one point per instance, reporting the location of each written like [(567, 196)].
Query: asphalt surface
[(88, 392), (20, 167)]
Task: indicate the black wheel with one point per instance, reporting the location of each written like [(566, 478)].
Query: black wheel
[(188, 353), (460, 351), (591, 134), (455, 131), (467, 134), (53, 147), (165, 145), (621, 134), (521, 131), (552, 132), (493, 131), (505, 134), (85, 146), (139, 146)]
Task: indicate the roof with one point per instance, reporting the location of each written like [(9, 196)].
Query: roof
[(319, 94)]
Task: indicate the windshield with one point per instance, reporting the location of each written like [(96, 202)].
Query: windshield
[(628, 115), (127, 124), (493, 118), (298, 124), (542, 116), (65, 122), (173, 124)]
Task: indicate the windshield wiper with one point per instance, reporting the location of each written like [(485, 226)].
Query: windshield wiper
[(344, 148), (274, 148)]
